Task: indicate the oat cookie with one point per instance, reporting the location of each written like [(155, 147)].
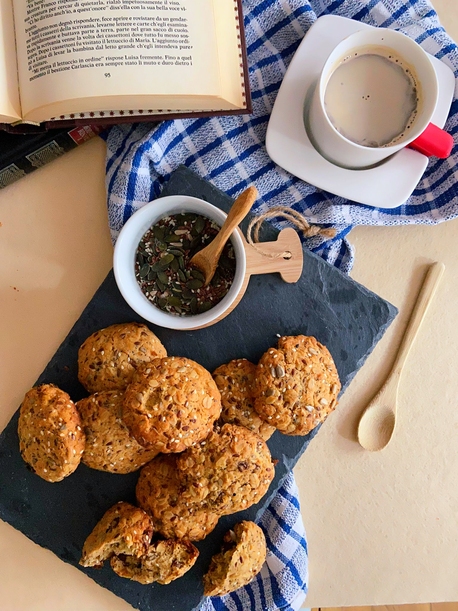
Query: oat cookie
[(108, 358), (160, 493), (163, 562), (123, 529), (296, 385), (229, 471), (51, 439), (109, 445), (171, 404), (241, 558), (235, 381)]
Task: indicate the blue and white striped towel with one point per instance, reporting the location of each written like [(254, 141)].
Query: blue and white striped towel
[(230, 152)]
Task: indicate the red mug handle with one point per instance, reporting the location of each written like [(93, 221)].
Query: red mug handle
[(433, 142)]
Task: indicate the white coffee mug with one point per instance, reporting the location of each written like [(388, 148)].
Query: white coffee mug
[(420, 133)]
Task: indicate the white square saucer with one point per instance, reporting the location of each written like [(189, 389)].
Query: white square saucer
[(387, 185)]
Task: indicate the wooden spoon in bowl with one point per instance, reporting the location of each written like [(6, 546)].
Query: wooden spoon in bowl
[(207, 259), (376, 425)]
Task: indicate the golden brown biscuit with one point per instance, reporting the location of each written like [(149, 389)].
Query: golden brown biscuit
[(108, 358), (51, 439), (229, 471), (171, 404), (123, 529), (163, 562), (109, 445), (241, 558), (235, 383), (160, 493), (296, 385)]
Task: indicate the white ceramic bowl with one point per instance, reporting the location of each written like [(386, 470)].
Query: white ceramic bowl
[(124, 261)]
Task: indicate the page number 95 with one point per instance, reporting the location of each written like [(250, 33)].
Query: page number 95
[(107, 74)]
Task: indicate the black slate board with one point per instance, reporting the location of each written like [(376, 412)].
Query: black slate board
[(343, 315)]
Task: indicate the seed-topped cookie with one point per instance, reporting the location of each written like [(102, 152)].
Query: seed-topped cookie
[(160, 493), (123, 529), (163, 562), (229, 471), (109, 445), (235, 383), (171, 404), (51, 439), (241, 558), (296, 385), (108, 358)]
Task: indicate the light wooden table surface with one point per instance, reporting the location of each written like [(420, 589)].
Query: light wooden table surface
[(382, 528)]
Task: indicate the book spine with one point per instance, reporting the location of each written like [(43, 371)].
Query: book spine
[(21, 154)]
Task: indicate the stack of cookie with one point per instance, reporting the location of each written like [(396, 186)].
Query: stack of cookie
[(292, 389), (198, 439)]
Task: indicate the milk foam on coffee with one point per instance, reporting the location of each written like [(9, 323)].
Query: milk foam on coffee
[(372, 97)]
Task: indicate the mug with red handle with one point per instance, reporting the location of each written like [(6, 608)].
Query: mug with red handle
[(422, 135)]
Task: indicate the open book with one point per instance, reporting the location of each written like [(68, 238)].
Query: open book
[(105, 61)]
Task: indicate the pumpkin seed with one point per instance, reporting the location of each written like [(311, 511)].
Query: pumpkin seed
[(162, 276), (205, 306), (170, 238), (144, 270), (199, 224), (194, 284), (187, 293), (174, 301), (174, 265), (158, 232), (196, 273), (193, 305)]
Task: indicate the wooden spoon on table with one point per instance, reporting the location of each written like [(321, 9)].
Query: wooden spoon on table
[(376, 425), (207, 259)]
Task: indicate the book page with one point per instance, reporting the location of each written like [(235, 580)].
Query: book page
[(73, 49), (230, 51), (10, 107)]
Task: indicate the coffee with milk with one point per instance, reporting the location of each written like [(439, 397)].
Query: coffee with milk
[(372, 97)]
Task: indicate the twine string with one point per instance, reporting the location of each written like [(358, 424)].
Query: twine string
[(294, 217)]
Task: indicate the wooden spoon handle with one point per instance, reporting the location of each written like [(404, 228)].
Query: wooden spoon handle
[(239, 210), (425, 296)]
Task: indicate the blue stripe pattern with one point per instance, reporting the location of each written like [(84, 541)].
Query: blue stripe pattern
[(230, 152)]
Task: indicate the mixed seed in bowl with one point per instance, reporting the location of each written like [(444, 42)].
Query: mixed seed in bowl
[(163, 270)]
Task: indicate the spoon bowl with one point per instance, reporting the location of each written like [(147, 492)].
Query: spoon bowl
[(376, 425)]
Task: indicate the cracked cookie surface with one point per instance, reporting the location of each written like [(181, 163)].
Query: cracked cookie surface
[(296, 385), (241, 558), (123, 529), (171, 404), (160, 493), (164, 561), (51, 439), (229, 471), (108, 358), (109, 445), (235, 381)]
